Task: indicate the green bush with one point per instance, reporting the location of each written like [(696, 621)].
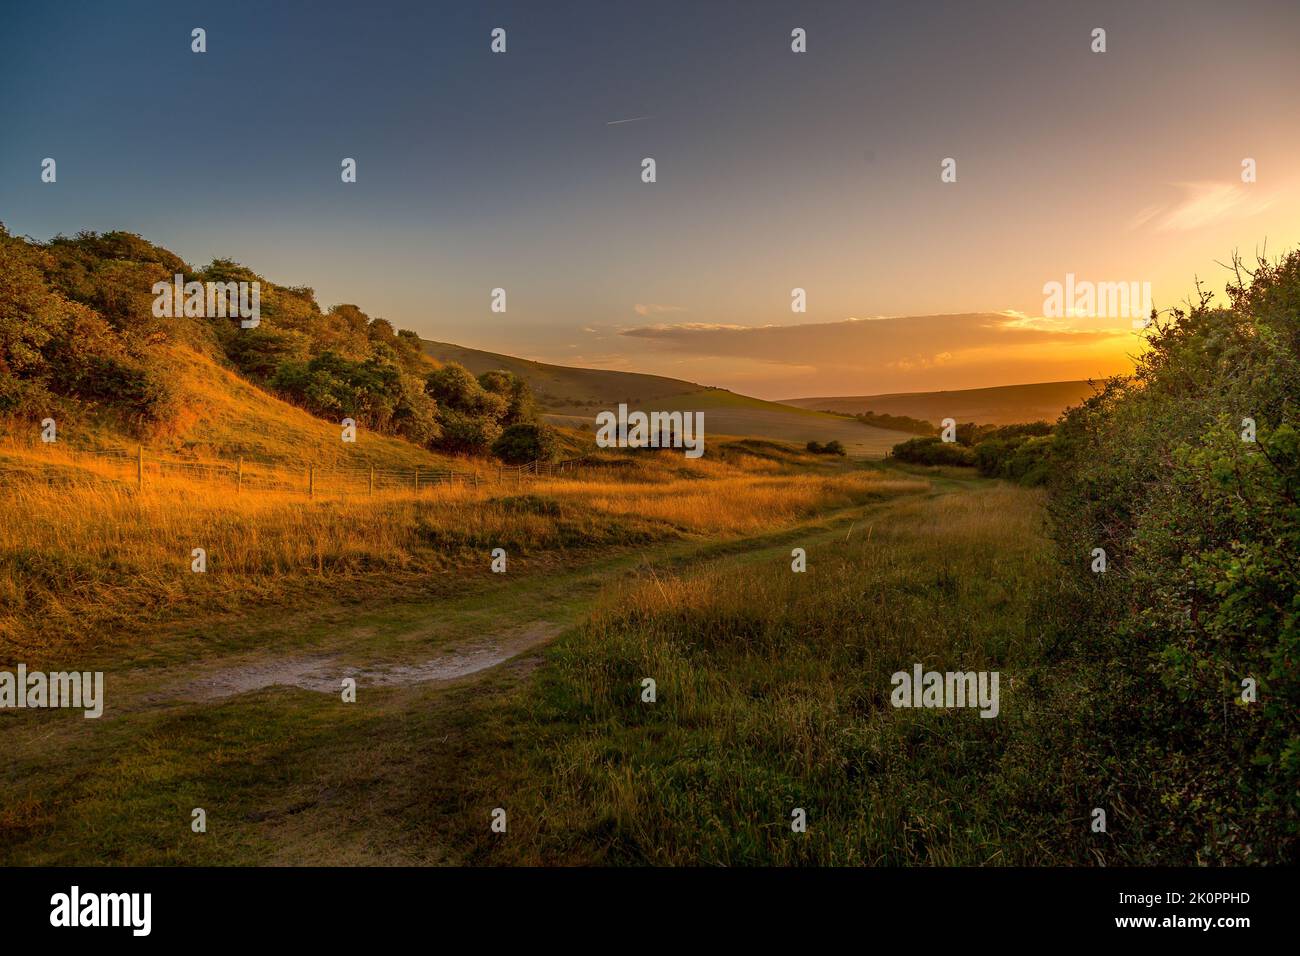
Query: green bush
[(464, 433), (472, 412), (525, 442), (930, 450), (1021, 458), (1201, 531)]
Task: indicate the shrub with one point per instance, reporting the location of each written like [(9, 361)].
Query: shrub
[(466, 434), (1021, 457), (933, 451), (526, 442), (1202, 590)]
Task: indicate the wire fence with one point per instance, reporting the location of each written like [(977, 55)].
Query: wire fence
[(251, 474)]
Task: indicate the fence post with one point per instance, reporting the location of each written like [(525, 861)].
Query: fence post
[(139, 467), (417, 480), (372, 480), (311, 481), (239, 475)]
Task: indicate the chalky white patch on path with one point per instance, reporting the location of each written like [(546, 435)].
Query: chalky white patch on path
[(325, 673)]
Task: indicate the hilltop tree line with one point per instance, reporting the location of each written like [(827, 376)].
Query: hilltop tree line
[(80, 336)]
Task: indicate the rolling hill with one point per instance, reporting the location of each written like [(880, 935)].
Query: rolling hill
[(573, 396), (224, 416), (1001, 405)]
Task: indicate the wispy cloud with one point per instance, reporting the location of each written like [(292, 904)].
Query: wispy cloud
[(1204, 204), (630, 119), (654, 308)]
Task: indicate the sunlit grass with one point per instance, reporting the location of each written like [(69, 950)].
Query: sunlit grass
[(84, 551), (773, 693)]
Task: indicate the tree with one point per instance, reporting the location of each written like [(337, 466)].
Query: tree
[(525, 442)]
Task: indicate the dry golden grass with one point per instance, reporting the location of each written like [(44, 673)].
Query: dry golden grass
[(223, 416), (87, 557), (733, 505)]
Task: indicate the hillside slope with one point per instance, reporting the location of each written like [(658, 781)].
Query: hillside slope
[(1000, 405), (226, 415), (223, 416), (563, 389), (93, 339), (573, 397)]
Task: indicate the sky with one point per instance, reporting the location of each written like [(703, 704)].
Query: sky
[(775, 170)]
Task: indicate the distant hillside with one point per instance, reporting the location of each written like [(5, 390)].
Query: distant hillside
[(573, 396), (1000, 405), (561, 389)]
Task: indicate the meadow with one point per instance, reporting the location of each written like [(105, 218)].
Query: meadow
[(772, 685), (87, 558), (772, 694)]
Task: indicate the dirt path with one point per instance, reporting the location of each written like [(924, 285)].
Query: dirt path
[(450, 649), (325, 673)]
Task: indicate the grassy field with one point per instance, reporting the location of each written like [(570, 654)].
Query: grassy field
[(84, 556), (772, 686), (772, 694)]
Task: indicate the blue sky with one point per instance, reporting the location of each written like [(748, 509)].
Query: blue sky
[(775, 169)]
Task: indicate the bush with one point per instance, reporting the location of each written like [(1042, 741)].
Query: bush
[(520, 405), (464, 434), (522, 443), (83, 332), (933, 451), (453, 387), (1202, 589), (832, 447), (1019, 458), (473, 411)]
